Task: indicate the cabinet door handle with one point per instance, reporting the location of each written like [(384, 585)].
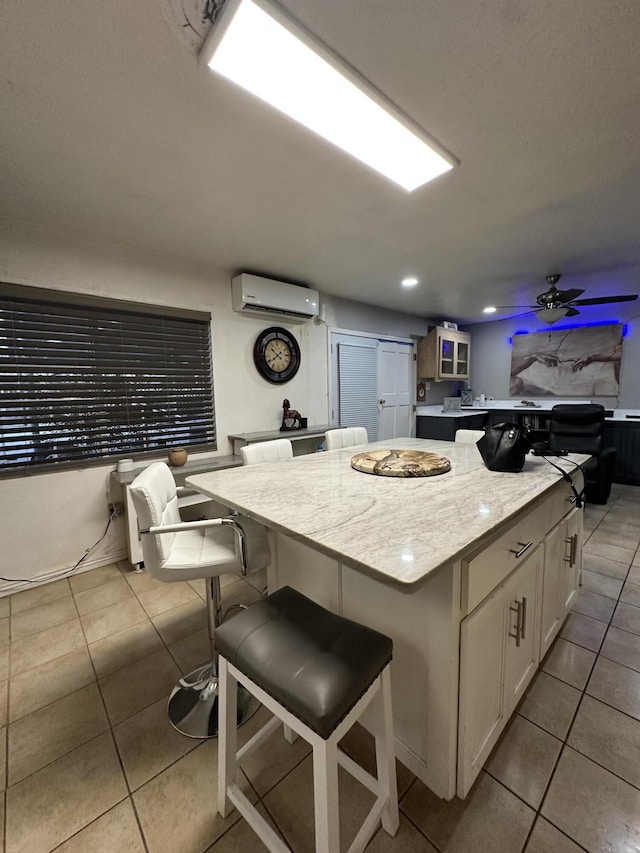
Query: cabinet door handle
[(568, 559), (574, 549), (524, 547), (518, 611), (523, 623), (572, 499)]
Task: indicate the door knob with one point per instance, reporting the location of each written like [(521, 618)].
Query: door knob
[(382, 402)]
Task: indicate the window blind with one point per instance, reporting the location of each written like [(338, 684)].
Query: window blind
[(87, 382)]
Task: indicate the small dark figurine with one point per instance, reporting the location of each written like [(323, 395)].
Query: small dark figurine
[(291, 419)]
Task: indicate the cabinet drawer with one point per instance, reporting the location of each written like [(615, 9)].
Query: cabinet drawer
[(482, 572)]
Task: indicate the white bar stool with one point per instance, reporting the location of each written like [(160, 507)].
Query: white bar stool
[(316, 672)]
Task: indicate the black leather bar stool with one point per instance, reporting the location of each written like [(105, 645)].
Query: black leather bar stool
[(316, 672)]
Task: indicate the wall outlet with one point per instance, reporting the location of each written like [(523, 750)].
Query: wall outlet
[(116, 509)]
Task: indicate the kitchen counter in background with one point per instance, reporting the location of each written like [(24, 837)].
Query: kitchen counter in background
[(622, 427)]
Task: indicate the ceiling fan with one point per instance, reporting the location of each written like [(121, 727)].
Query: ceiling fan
[(554, 304)]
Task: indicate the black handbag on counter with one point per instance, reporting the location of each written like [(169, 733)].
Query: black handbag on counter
[(503, 447)]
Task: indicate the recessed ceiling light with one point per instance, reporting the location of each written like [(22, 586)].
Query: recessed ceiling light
[(409, 282), (258, 46), (490, 309)]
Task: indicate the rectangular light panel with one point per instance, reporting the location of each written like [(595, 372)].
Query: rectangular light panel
[(254, 49)]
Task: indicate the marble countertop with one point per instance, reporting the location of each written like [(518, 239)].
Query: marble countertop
[(516, 405), (395, 529), (436, 412)]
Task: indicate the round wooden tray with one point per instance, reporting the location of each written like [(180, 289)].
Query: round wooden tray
[(400, 463)]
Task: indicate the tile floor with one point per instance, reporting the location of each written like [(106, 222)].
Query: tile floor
[(90, 763)]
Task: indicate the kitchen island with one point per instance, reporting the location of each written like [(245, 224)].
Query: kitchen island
[(448, 566)]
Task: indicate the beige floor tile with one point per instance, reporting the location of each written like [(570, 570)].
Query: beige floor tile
[(43, 616), (583, 631), (112, 619), (177, 808), (550, 704), (140, 581), (592, 806), (43, 594), (125, 647), (592, 604), (241, 838), (627, 617), (116, 831), (181, 621), (66, 796), (490, 818), (616, 685), (49, 733), (631, 594), (360, 745), (4, 662), (138, 685), (602, 584), (5, 632), (603, 566), (634, 571), (609, 552), (408, 839), (271, 762), (49, 682), (3, 760), (4, 692), (622, 647), (45, 646), (95, 577), (148, 743), (619, 535), (609, 738), (545, 838), (258, 580), (5, 606), (199, 586), (193, 651), (569, 662), (523, 759), (99, 597), (166, 597), (290, 804)]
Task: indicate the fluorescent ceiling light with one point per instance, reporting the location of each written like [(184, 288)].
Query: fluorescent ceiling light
[(409, 282), (255, 44), (490, 309)]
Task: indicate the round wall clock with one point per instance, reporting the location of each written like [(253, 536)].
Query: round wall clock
[(276, 354)]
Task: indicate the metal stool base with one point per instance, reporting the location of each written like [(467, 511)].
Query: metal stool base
[(193, 704)]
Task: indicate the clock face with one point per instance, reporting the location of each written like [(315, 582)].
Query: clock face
[(276, 354)]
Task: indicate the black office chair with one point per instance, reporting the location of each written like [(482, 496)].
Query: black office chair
[(579, 428)]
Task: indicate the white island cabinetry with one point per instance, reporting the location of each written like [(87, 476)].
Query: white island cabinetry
[(452, 568)]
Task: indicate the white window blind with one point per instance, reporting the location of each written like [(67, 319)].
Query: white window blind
[(358, 379), (82, 382)]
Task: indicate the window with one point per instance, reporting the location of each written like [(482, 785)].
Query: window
[(84, 379)]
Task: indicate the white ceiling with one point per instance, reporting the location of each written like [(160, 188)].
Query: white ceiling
[(110, 128)]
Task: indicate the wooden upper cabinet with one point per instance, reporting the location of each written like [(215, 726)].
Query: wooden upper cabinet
[(444, 354)]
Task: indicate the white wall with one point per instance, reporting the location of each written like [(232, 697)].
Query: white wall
[(48, 521), (491, 353)]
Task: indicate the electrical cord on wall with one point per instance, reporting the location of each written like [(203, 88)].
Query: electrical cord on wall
[(112, 515)]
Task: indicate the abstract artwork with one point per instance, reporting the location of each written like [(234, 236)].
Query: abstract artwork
[(578, 362)]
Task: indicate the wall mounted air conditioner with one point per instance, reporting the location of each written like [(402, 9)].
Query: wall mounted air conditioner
[(253, 295)]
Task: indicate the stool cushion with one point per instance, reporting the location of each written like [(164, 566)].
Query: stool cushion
[(314, 663)]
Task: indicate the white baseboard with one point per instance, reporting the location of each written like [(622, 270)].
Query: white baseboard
[(9, 587)]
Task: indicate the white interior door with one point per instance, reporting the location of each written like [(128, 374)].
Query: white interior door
[(395, 369), (365, 370)]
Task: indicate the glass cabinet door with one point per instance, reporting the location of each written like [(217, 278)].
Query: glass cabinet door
[(462, 360), (447, 357)]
